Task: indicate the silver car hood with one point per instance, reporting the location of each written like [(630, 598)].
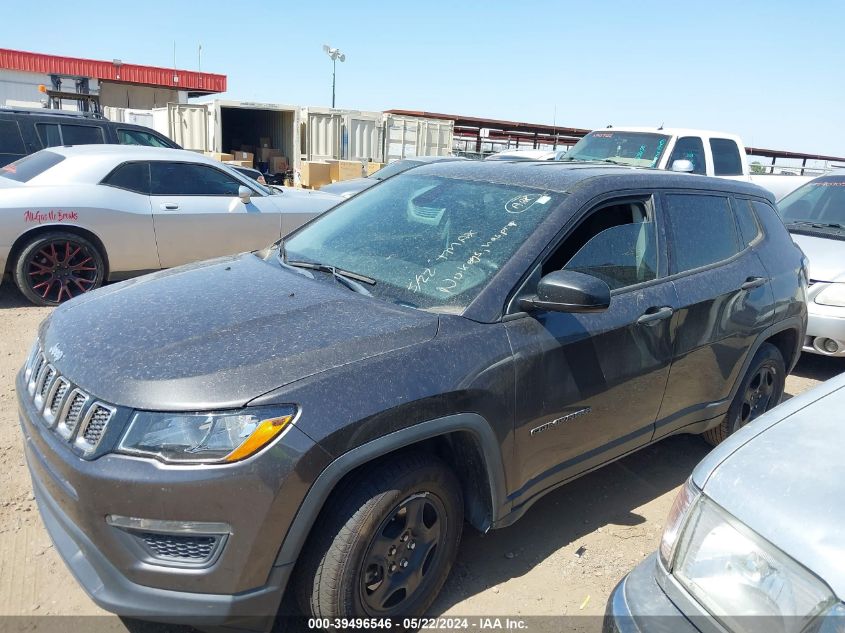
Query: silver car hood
[(306, 194), (784, 476), (827, 257)]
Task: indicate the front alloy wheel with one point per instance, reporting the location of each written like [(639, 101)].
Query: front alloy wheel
[(385, 541), (402, 553)]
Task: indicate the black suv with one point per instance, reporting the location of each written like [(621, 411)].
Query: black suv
[(24, 131), (447, 346)]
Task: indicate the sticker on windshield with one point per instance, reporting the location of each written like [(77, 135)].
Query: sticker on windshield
[(522, 203)]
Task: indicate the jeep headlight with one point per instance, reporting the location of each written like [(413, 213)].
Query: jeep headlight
[(832, 295), (205, 438), (742, 579)]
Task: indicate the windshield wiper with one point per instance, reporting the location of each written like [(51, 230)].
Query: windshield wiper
[(817, 225), (345, 277)]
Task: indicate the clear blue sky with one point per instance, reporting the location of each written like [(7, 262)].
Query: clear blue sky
[(771, 71)]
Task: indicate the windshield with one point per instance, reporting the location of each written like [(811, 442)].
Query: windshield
[(426, 241), (642, 149), (394, 168), (819, 201), (29, 167)]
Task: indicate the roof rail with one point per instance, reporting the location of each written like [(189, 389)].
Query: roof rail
[(52, 112)]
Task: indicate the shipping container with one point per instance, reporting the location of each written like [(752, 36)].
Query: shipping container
[(407, 136), (300, 134), (130, 115), (222, 126), (342, 134)]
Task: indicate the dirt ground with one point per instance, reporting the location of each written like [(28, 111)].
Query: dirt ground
[(563, 558)]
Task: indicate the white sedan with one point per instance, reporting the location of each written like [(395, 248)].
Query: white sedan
[(74, 217)]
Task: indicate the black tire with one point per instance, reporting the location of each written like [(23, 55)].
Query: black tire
[(760, 390), (347, 569), (56, 266)]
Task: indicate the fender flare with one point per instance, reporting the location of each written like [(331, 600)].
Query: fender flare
[(325, 483), (792, 323)]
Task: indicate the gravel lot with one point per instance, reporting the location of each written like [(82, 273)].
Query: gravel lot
[(614, 516)]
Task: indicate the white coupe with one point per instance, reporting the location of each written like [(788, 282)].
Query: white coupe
[(74, 217)]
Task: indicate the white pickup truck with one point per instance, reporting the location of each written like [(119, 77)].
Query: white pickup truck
[(679, 149)]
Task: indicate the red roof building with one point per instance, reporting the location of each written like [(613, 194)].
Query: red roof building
[(117, 83)]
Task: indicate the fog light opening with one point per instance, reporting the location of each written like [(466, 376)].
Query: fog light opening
[(827, 345)]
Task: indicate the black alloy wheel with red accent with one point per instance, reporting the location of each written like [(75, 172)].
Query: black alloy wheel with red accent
[(57, 266)]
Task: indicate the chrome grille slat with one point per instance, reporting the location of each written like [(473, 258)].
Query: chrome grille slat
[(93, 426), (45, 381), (70, 411), (55, 399), (37, 367), (30, 359)]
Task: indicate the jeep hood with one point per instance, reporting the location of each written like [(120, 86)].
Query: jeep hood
[(217, 334)]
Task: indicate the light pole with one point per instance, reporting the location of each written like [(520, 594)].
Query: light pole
[(336, 55)]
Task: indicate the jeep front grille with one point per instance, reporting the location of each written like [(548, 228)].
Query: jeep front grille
[(69, 410)]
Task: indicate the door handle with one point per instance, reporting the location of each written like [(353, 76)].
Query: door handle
[(753, 282), (654, 315), (168, 206)]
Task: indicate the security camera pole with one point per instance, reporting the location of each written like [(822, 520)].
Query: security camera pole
[(336, 55)]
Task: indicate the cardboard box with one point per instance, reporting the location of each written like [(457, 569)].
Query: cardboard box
[(279, 164), (219, 156), (266, 154), (239, 163), (265, 142), (315, 174), (344, 169), (241, 155), (373, 168)]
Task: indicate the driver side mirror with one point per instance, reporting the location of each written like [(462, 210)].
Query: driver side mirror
[(683, 165), (244, 193), (568, 291)]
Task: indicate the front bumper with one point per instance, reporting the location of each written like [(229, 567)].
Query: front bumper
[(257, 498), (639, 605), (825, 322), (112, 591)]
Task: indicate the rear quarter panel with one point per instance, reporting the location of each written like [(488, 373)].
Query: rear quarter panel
[(782, 259), (120, 219)]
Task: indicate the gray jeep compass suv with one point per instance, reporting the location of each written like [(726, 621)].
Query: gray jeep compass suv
[(447, 346)]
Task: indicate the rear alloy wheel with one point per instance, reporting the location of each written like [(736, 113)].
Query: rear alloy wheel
[(385, 542), (760, 390), (55, 267)]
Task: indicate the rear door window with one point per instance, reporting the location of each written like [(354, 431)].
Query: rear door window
[(690, 148), (726, 158), (130, 176), (49, 134), (746, 219), (29, 167), (81, 134), (53, 134), (702, 231), (11, 141)]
